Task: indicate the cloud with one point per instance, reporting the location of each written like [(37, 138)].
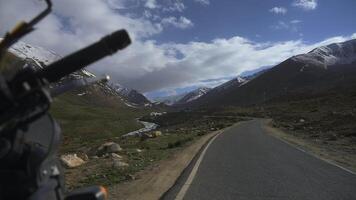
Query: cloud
[(123, 4), (181, 22), (306, 4), (224, 57), (203, 2), (174, 6), (292, 26), (147, 65), (152, 4), (295, 21), (278, 10)]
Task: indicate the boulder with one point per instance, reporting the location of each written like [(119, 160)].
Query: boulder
[(146, 136), (130, 177), (116, 156), (71, 160), (116, 163), (157, 134), (83, 156), (108, 147)]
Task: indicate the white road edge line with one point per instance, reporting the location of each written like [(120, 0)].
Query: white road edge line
[(311, 154), (194, 171)]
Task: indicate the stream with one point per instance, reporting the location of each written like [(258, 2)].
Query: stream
[(148, 127)]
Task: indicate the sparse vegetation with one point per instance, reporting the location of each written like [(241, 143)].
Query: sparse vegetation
[(178, 130)]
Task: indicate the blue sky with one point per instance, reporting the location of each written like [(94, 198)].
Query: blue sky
[(179, 45), (253, 19)]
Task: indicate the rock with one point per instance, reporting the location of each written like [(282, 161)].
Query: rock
[(145, 136), (108, 147), (71, 160), (130, 177), (83, 156), (118, 163), (157, 134), (116, 156)]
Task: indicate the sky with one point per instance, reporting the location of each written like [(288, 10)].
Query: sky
[(179, 45)]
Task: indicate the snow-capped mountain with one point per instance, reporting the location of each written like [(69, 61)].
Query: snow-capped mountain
[(333, 54), (324, 70), (130, 95), (193, 95), (170, 100), (232, 83), (39, 57)]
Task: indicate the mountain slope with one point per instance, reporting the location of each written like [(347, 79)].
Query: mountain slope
[(131, 95), (170, 100), (333, 54), (193, 95), (332, 67), (38, 58)]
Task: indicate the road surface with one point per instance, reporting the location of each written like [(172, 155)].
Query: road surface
[(245, 162)]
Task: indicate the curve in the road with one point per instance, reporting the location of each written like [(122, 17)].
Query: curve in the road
[(246, 163)]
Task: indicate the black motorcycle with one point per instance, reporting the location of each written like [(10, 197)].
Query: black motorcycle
[(29, 136)]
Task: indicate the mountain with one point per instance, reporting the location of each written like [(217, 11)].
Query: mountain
[(38, 58), (130, 95), (170, 100), (324, 69), (193, 95), (333, 54), (235, 82)]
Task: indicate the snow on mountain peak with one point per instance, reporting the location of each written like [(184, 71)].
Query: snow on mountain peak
[(41, 56), (38, 54), (193, 95), (234, 82), (121, 89), (333, 54)]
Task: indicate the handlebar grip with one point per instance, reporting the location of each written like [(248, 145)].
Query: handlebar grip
[(106, 46)]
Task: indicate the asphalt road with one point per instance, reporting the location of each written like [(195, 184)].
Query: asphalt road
[(246, 163)]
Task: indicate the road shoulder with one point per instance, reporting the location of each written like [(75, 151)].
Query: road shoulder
[(344, 161)]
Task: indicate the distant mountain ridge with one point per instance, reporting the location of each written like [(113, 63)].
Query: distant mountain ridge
[(321, 70), (131, 95), (38, 58), (169, 100), (333, 54), (193, 95)]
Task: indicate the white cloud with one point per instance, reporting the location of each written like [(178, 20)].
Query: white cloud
[(181, 22), (306, 4), (174, 6), (292, 26), (123, 4), (295, 21), (278, 10), (203, 2), (152, 4)]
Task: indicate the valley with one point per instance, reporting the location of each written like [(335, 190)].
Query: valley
[(310, 99)]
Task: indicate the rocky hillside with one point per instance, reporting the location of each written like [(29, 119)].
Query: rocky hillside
[(38, 58), (130, 95)]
